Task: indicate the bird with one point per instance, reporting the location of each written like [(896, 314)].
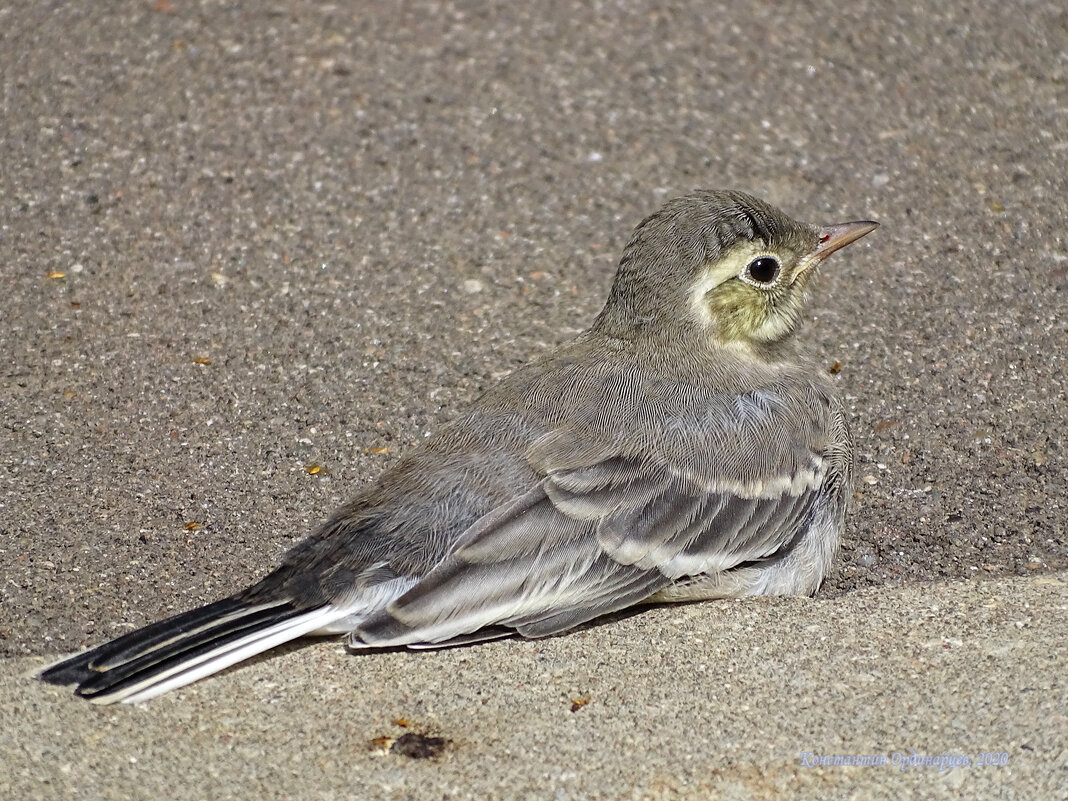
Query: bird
[(684, 447)]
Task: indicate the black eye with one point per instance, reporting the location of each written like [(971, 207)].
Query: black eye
[(763, 270)]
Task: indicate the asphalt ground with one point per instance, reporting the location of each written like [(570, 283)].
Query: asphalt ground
[(251, 253)]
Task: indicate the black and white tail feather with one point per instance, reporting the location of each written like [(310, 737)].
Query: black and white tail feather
[(618, 468), (180, 650)]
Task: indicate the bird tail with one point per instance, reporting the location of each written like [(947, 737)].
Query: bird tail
[(182, 649)]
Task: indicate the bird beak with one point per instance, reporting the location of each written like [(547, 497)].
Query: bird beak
[(836, 237)]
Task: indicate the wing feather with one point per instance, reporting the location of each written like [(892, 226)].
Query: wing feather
[(697, 489)]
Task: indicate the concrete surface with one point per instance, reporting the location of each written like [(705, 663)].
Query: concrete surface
[(250, 253), (735, 701)]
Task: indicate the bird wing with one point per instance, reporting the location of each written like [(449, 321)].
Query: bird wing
[(615, 519), (519, 564)]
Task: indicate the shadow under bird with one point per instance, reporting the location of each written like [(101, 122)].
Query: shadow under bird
[(682, 448)]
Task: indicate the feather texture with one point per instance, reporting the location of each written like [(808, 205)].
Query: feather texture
[(661, 455)]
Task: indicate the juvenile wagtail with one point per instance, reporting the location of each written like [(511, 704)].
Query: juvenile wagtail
[(681, 448)]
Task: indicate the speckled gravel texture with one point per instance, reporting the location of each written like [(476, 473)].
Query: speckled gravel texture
[(677, 702), (251, 253)]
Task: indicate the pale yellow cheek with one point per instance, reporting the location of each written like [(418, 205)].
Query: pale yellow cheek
[(735, 311), (718, 276), (780, 320), (737, 314), (745, 315), (774, 327)]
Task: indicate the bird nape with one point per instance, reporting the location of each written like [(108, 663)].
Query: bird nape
[(681, 448)]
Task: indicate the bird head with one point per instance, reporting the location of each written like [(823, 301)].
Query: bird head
[(721, 263)]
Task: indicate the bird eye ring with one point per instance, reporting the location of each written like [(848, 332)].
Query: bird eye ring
[(762, 271)]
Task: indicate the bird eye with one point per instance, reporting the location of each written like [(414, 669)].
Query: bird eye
[(763, 271)]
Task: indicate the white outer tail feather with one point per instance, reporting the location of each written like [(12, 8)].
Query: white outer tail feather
[(224, 656)]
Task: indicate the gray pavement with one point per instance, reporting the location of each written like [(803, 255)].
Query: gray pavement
[(739, 701), (250, 253)]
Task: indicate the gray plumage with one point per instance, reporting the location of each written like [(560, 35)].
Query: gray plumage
[(679, 449)]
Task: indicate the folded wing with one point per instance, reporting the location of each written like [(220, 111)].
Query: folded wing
[(613, 521)]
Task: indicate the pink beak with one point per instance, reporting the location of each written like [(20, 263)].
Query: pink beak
[(836, 237)]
